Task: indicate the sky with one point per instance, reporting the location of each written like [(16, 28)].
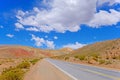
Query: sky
[(55, 24)]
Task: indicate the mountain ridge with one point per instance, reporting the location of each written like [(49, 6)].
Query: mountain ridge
[(17, 51)]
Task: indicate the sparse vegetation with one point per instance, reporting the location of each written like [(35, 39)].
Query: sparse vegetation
[(17, 73), (34, 61), (94, 55), (80, 57), (24, 65), (76, 56), (96, 59), (12, 74), (105, 53), (66, 58), (102, 61), (108, 62)]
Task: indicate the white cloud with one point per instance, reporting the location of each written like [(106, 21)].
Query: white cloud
[(19, 26), (55, 37), (67, 17), (32, 29), (104, 18), (114, 1), (117, 1), (64, 15), (75, 45), (10, 35), (50, 44), (39, 42)]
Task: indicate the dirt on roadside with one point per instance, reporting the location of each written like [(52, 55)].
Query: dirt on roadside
[(43, 70)]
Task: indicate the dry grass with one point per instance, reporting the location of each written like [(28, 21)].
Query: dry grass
[(17, 71), (100, 53)]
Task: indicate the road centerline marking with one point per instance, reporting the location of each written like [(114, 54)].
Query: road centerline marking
[(99, 73), (83, 69), (102, 74)]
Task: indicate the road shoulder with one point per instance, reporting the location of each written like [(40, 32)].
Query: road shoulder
[(43, 70)]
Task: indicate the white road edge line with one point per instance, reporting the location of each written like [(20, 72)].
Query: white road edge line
[(63, 71), (104, 68)]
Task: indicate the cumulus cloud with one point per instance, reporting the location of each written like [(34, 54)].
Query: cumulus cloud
[(19, 26), (32, 29), (50, 44), (39, 42), (10, 35), (104, 18), (67, 17), (75, 45), (117, 1)]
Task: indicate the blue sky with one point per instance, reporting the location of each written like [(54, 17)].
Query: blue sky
[(54, 24)]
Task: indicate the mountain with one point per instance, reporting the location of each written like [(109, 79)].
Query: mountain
[(106, 50), (60, 51), (16, 51), (101, 53), (19, 52)]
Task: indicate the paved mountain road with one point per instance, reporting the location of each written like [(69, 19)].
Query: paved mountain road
[(61, 70)]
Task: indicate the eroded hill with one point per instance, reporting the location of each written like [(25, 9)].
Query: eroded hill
[(105, 53), (29, 52)]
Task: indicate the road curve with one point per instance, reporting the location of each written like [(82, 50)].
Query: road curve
[(84, 72)]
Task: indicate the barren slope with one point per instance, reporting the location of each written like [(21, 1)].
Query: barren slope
[(21, 52), (29, 52), (105, 53)]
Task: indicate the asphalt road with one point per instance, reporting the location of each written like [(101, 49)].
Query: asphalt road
[(85, 72), (44, 70)]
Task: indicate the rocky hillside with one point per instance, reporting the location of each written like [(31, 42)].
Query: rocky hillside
[(19, 52), (100, 53), (29, 52), (60, 51)]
